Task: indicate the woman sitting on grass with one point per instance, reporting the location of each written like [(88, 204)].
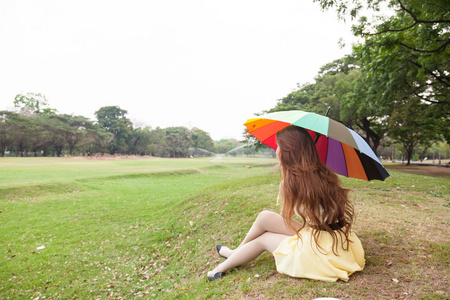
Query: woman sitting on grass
[(322, 246)]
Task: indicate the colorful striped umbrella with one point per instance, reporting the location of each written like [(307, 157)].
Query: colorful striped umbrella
[(341, 149)]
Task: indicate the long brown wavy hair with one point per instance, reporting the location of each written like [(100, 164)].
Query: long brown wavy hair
[(312, 191)]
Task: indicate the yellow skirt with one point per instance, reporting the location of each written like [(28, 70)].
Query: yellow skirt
[(299, 258)]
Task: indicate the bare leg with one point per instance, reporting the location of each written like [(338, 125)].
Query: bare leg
[(247, 252), (266, 221), (266, 234)]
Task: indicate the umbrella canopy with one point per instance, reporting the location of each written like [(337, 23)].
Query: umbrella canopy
[(341, 149)]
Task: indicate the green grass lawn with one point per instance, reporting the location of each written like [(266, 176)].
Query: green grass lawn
[(147, 228)]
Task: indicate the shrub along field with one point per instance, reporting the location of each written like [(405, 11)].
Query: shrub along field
[(130, 228)]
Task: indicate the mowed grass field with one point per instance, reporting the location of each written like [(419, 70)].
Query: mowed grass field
[(75, 228)]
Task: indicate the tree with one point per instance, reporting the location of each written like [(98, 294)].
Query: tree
[(79, 127), (157, 144), (359, 110), (42, 138), (72, 130), (97, 140), (178, 140), (202, 140), (34, 103), (140, 142), (412, 123), (114, 120), (6, 130), (21, 131), (59, 130), (333, 81), (338, 86), (404, 55)]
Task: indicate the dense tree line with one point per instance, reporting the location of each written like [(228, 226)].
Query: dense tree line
[(37, 130), (395, 87)]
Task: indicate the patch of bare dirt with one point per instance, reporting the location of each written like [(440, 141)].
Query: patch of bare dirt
[(102, 156), (422, 170)]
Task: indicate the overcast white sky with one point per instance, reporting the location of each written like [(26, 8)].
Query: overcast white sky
[(196, 63)]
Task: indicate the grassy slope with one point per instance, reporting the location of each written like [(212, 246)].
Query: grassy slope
[(403, 224), (153, 235)]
